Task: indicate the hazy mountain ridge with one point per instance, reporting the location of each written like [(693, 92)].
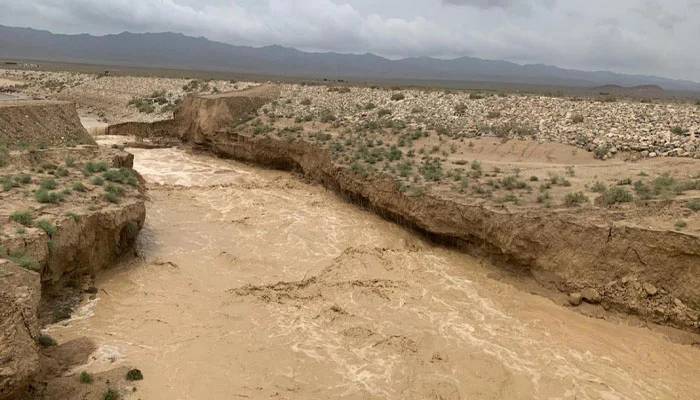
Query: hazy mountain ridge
[(174, 50)]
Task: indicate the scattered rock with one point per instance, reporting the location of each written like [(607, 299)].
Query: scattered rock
[(591, 296), (575, 299), (650, 289)]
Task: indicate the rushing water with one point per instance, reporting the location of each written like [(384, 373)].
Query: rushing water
[(253, 284)]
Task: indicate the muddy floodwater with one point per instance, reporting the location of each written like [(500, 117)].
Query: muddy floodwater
[(254, 284)]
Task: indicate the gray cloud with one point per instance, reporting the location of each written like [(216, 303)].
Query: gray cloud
[(633, 36)]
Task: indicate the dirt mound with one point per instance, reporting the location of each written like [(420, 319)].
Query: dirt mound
[(27, 124)]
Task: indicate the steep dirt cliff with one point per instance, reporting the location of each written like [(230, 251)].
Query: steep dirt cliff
[(20, 291)]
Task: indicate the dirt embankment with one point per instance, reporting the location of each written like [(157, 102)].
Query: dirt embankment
[(26, 124), (58, 229)]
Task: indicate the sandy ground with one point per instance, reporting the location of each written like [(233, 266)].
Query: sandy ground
[(254, 284)]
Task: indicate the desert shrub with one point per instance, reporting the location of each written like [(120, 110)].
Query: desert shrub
[(79, 187), (134, 375), (616, 195), (397, 96), (61, 172), (45, 196), (22, 217), (681, 225), (512, 183), (94, 167), (121, 175), (394, 154), (575, 199), (97, 181), (369, 106), (110, 394), (23, 179), (4, 155), (112, 197), (475, 96), (144, 106), (46, 341), (327, 116), (47, 227), (383, 112), (48, 184), (85, 377), (432, 170), (493, 115), (599, 187), (677, 130), (694, 205), (305, 102), (417, 110), (460, 109)]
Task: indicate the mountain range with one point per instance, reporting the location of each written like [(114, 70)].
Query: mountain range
[(175, 50)]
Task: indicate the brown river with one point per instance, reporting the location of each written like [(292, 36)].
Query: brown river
[(253, 284)]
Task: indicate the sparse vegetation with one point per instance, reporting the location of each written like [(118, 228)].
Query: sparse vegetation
[(575, 199), (22, 217), (616, 195), (46, 341), (85, 377)]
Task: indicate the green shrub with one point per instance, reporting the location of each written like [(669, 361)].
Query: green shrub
[(112, 197), (79, 187), (46, 341), (4, 155), (134, 375), (61, 172), (397, 96), (23, 179), (694, 205), (681, 225), (575, 199), (22, 217), (45, 196), (94, 167), (97, 181), (121, 175), (111, 394), (48, 184), (85, 377), (383, 112), (599, 187), (616, 195), (47, 227)]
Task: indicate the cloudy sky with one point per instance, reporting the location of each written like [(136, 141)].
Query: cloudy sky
[(635, 36)]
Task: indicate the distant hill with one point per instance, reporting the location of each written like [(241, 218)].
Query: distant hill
[(174, 50)]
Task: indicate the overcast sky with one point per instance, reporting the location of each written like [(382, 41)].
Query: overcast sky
[(658, 37)]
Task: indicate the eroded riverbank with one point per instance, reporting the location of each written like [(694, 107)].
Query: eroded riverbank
[(365, 309)]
